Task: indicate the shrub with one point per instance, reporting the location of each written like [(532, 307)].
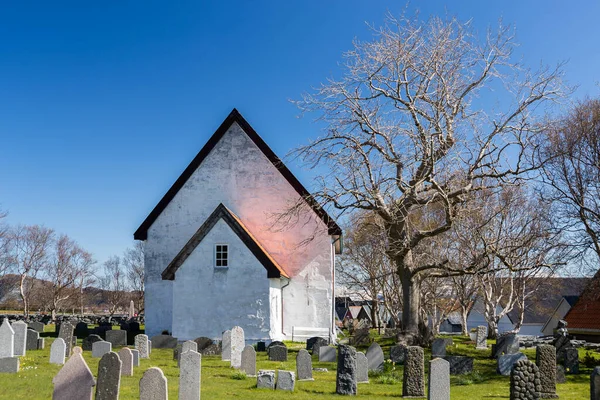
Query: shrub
[(238, 376)]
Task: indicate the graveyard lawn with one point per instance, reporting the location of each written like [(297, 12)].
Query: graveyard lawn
[(219, 381)]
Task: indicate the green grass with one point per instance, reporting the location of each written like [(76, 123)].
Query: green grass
[(219, 381)]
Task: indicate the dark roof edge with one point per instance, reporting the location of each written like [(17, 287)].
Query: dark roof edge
[(221, 212), (142, 232)]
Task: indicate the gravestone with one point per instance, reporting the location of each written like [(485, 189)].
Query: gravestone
[(438, 348), (81, 329), (327, 354), (524, 381), (595, 384), (286, 380), (460, 365), (162, 342), (375, 357), (20, 342), (7, 340), (512, 345), (131, 309), (248, 363), (141, 344), (136, 357), (73, 341), (127, 361), (413, 380), (189, 375), (304, 366), (439, 380), (153, 385), (9, 365), (345, 382), (189, 345), (398, 354), (74, 380), (58, 351), (560, 374), (317, 343), (87, 343), (480, 339), (278, 353), (507, 361), (32, 340), (109, 377), (237, 345), (261, 346), (360, 337), (66, 333), (203, 343), (362, 368), (571, 360), (545, 359), (36, 326), (265, 379), (226, 346), (41, 343), (100, 348), (117, 338)]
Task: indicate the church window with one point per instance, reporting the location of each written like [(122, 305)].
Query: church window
[(221, 255)]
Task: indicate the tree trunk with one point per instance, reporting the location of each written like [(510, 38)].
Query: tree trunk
[(492, 329), (411, 297), (374, 313), (464, 314), (22, 293)]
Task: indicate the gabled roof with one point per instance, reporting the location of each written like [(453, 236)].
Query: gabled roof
[(274, 270), (142, 232), (584, 316)]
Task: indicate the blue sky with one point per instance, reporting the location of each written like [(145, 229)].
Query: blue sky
[(103, 104)]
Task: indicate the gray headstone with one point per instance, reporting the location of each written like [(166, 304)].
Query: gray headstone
[(127, 361), (9, 365), (74, 380), (512, 345), (413, 380), (278, 353), (109, 377), (7, 340), (560, 375), (360, 337), (438, 348), (545, 359), (304, 366), (87, 342), (398, 354), (439, 380), (20, 342), (362, 368), (136, 357), (480, 341), (66, 333), (162, 342), (100, 348), (346, 380), (248, 365), (375, 357), (117, 337), (524, 381), (595, 384), (57, 351), (237, 345), (41, 343), (153, 385), (36, 326), (327, 354), (507, 361), (189, 345), (286, 380), (460, 365), (310, 344), (141, 344), (571, 360), (265, 379), (189, 375), (32, 340), (226, 346), (73, 341)]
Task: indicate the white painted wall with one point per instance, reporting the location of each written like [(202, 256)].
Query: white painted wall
[(476, 318)]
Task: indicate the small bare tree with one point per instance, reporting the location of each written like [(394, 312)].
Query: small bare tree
[(113, 282), (133, 259)]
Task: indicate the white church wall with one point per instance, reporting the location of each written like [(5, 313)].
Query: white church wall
[(275, 284)]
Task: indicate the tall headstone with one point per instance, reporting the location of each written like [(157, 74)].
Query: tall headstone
[(20, 343), (248, 365), (545, 359), (57, 351), (345, 382), (265, 379), (413, 381), (131, 310), (66, 333), (438, 348), (286, 380), (141, 344), (226, 346), (190, 364), (327, 354), (439, 380), (100, 348), (74, 380), (153, 385), (237, 345), (375, 357), (524, 381), (127, 361), (304, 365), (32, 340), (571, 360), (595, 384), (109, 377), (506, 362), (7, 340), (362, 368), (480, 339)]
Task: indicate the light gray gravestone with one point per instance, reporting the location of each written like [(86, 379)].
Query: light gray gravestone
[(36, 326), (127, 361), (226, 346), (57, 351), (189, 345), (265, 379), (109, 377), (100, 348), (278, 353), (507, 361), (162, 342), (9, 365), (414, 373), (249, 361), (237, 345), (141, 344), (189, 375), (32, 340), (375, 357), (304, 366), (74, 380), (286, 380), (153, 385), (545, 359), (87, 342), (345, 382), (480, 339), (595, 384), (66, 333), (438, 348), (524, 381), (362, 368), (20, 343), (7, 340), (136, 357), (439, 379), (117, 337), (41, 343), (398, 354), (327, 354)]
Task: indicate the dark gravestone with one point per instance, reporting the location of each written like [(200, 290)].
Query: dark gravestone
[(134, 326), (87, 343), (345, 382), (524, 381), (413, 381), (117, 337), (460, 365), (317, 344), (163, 342), (81, 329), (203, 343), (109, 377), (545, 359), (571, 360), (595, 384), (278, 353), (273, 344), (32, 340), (398, 354), (438, 348), (360, 337), (66, 333), (375, 357), (261, 346), (310, 343), (507, 361)]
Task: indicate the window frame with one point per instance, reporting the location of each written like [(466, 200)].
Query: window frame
[(221, 252)]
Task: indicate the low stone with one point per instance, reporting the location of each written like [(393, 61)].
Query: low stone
[(87, 343), (101, 348), (286, 380), (375, 357), (346, 380), (304, 366), (460, 365), (327, 354), (506, 361), (278, 353), (57, 351), (163, 342), (9, 365), (362, 368), (265, 379), (117, 337), (153, 385)]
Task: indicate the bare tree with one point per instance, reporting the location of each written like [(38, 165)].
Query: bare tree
[(133, 259), (5, 244), (113, 282), (465, 290), (407, 130)]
